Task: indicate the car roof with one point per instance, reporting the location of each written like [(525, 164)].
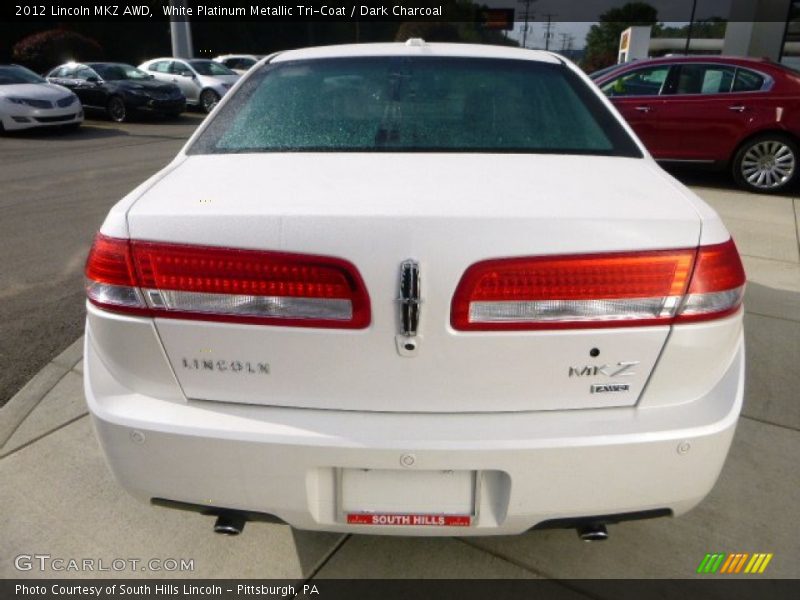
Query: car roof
[(69, 63), (738, 61), (417, 47), (705, 58), (96, 63), (698, 58)]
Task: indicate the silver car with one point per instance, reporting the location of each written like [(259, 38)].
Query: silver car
[(202, 81)]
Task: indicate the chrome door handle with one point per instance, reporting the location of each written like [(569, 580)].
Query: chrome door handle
[(737, 108), (644, 109)]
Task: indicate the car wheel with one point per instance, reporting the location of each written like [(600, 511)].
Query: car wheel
[(766, 164), (116, 110), (208, 99)]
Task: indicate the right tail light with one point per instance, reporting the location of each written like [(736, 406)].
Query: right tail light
[(717, 285), (619, 289)]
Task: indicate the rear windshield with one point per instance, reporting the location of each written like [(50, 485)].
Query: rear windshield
[(403, 104)]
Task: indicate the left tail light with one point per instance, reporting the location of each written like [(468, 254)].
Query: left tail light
[(225, 284)]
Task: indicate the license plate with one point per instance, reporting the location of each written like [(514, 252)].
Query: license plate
[(406, 520), (394, 497)]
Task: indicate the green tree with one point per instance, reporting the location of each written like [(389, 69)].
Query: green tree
[(602, 41), (707, 28)]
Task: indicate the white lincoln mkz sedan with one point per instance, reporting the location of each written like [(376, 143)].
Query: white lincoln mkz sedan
[(420, 289), (28, 101)]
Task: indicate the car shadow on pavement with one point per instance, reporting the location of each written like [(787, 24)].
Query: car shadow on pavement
[(85, 131), (703, 177)]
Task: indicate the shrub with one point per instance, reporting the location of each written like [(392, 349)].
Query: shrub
[(46, 49)]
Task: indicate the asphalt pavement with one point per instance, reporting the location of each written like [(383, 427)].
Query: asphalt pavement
[(55, 190)]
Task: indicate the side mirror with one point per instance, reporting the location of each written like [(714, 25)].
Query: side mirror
[(92, 79), (189, 74)]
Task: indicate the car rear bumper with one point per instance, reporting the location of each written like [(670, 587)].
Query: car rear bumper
[(531, 467)]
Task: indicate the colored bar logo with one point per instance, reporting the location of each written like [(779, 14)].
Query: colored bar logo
[(737, 562)]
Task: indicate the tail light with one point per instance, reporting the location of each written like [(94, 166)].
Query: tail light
[(225, 284), (600, 290)]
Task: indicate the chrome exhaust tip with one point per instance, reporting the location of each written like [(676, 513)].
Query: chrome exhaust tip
[(595, 532), (229, 524)]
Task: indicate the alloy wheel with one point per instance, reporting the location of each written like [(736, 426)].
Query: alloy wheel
[(208, 100), (116, 110), (768, 164)]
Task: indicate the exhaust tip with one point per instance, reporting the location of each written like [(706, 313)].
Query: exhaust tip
[(595, 532), (229, 524)]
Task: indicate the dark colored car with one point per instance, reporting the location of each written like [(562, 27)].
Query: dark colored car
[(119, 89), (729, 112)]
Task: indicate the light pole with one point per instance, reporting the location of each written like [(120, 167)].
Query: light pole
[(526, 17), (547, 31), (689, 31), (180, 32)]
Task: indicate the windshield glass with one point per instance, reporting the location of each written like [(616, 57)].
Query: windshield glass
[(415, 104), (209, 67), (12, 74), (118, 71)]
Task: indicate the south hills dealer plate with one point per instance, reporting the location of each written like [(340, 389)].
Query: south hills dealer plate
[(402, 520), (407, 498)]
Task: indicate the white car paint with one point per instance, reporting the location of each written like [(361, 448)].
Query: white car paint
[(497, 405), (15, 114)]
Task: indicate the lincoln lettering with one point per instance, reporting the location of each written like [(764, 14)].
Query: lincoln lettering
[(225, 366)]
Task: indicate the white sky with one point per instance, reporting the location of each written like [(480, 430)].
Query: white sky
[(536, 33)]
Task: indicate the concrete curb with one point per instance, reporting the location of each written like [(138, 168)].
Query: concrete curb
[(28, 398)]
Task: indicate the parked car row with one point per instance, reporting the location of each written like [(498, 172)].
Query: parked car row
[(118, 89), (161, 85), (726, 112)]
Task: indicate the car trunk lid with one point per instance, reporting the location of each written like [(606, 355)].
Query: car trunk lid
[(445, 212)]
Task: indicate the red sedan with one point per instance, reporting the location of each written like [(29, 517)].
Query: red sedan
[(739, 113)]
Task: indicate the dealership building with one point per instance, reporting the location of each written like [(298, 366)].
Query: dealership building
[(763, 28)]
